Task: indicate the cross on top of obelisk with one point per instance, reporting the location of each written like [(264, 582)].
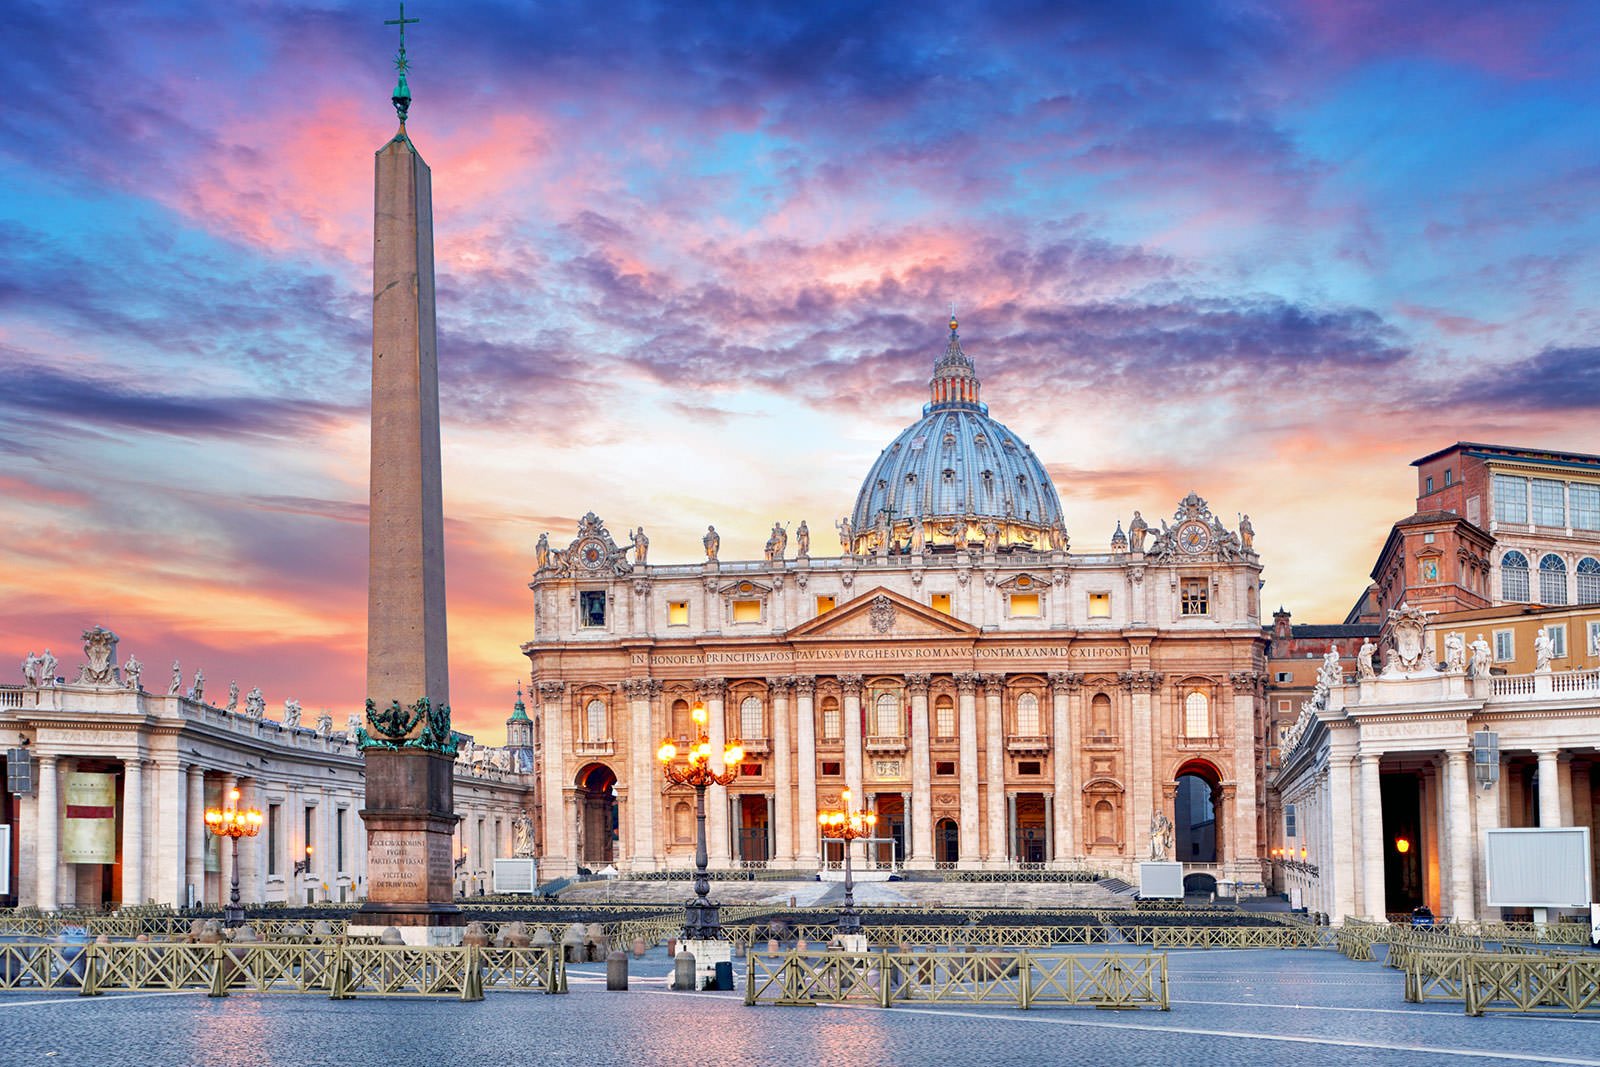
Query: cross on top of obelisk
[(402, 91)]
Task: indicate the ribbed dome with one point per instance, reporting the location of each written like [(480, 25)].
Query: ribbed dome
[(956, 469)]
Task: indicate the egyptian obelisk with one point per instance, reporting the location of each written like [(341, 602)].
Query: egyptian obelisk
[(409, 748)]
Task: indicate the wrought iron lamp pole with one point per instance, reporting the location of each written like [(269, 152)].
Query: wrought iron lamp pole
[(702, 915), (847, 826), (233, 823)]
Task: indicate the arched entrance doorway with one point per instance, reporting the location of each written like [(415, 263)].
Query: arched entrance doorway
[(946, 841), (597, 816), (1195, 818)]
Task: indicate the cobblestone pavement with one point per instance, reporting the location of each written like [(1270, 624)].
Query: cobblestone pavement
[(1228, 1007)]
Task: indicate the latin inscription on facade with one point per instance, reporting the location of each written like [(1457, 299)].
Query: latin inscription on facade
[(780, 657), (398, 864)]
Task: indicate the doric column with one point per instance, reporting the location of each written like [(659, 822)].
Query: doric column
[(712, 691), (921, 808), (641, 693), (1549, 787), (850, 686), (1013, 846), (805, 816), (1140, 746), (224, 848), (1064, 688), (195, 832), (133, 863), (556, 854), (1374, 902), (1244, 852), (994, 728), (1341, 865), (967, 688), (782, 821), (1461, 837), (49, 859), (169, 842), (1564, 778)]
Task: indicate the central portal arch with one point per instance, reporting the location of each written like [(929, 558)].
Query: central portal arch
[(597, 815), (1196, 821)]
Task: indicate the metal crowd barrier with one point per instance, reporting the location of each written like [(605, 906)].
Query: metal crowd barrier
[(1506, 981), (338, 970), (1025, 979)]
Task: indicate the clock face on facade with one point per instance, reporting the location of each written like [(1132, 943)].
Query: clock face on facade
[(592, 553), (1193, 536)]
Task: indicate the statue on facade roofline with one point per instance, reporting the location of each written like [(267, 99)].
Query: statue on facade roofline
[(712, 541), (919, 535), (802, 541), (991, 536), (1138, 529), (1543, 650), (291, 714), (47, 669), (1247, 532), (255, 705), (233, 697), (30, 669), (641, 546), (130, 673), (1455, 653), (197, 692), (1481, 655), (1364, 666), (1332, 673), (777, 543), (177, 680), (541, 553), (846, 536)]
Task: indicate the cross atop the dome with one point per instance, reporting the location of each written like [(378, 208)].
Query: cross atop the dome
[(953, 323)]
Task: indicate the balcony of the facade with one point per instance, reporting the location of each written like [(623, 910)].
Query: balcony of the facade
[(590, 746), (1027, 744), (886, 745)]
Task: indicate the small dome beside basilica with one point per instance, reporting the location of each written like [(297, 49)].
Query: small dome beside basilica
[(959, 475)]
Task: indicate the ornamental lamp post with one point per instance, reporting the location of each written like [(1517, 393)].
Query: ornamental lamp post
[(233, 823), (847, 826), (702, 916)]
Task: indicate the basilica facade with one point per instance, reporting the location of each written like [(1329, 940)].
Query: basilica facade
[(999, 699)]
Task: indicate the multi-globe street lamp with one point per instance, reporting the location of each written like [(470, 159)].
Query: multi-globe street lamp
[(847, 826), (231, 822), (702, 916)]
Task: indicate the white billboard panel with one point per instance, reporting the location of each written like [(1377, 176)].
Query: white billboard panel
[(515, 875), (1160, 881), (1538, 867)]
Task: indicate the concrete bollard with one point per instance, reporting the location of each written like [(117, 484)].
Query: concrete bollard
[(683, 971), (617, 971), (638, 948), (475, 934)]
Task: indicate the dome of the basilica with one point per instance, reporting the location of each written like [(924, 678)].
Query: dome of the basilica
[(960, 475)]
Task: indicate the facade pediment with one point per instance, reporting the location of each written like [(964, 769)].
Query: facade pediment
[(882, 613)]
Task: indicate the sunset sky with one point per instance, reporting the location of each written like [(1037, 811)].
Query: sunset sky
[(694, 264)]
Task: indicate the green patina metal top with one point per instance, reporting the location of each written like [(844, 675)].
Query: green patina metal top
[(519, 710), (402, 91)]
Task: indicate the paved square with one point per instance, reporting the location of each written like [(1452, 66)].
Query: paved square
[(1248, 1007)]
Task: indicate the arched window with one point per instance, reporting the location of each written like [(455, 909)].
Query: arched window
[(1100, 716), (1514, 577), (830, 719), (596, 726), (1028, 715), (1196, 715), (750, 718), (1589, 580), (682, 722), (1552, 579), (886, 720), (944, 717)]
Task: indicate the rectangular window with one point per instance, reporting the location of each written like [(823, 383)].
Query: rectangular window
[(750, 770), (830, 724), (275, 835), (1558, 639), (1099, 605), (1430, 483), (1505, 646), (592, 607), (747, 611), (1029, 766), (677, 613), (1594, 639), (830, 769), (1024, 605), (1510, 498), (940, 602), (338, 839), (1448, 476), (1285, 706), (1196, 596), (825, 604), (944, 719), (1427, 538), (1585, 506), (1288, 821), (1283, 676), (310, 825), (1549, 502), (945, 767)]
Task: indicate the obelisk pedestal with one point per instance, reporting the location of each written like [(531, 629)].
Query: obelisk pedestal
[(410, 749)]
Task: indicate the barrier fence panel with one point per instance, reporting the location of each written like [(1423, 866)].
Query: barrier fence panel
[(1022, 978)]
